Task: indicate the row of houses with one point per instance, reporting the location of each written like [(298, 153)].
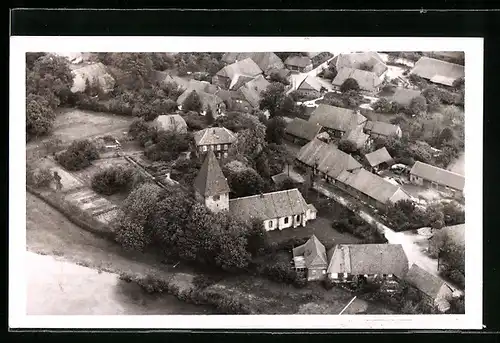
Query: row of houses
[(345, 263), (369, 70), (339, 123)]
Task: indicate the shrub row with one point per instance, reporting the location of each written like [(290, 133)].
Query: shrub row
[(74, 214), (115, 179), (199, 295), (39, 177), (280, 272)]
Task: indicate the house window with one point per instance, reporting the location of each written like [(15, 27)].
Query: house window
[(216, 197), (324, 271), (297, 217), (204, 148), (335, 275), (286, 220), (225, 154), (212, 147), (218, 147), (345, 275), (226, 146)]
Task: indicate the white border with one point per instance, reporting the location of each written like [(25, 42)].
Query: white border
[(473, 48)]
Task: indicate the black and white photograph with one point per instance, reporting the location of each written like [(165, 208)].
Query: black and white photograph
[(184, 177)]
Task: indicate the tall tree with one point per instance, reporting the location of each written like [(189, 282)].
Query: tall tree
[(272, 98), (275, 131), (192, 102)]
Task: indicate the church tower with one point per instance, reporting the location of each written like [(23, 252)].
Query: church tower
[(210, 185)]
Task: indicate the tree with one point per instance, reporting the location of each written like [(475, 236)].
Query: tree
[(113, 179), (347, 146), (31, 57), (210, 117), (349, 84), (383, 105), (453, 215), (446, 135), (331, 72), (130, 234), (245, 183), (276, 77), (275, 131), (192, 102), (459, 83), (250, 142), (137, 68), (79, 155), (418, 105), (141, 202), (39, 116), (272, 98)]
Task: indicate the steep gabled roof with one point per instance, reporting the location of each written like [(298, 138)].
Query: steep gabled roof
[(360, 259), (95, 72), (425, 282), (314, 253), (253, 89), (269, 205), (367, 80), (245, 68), (210, 180), (356, 60), (298, 61), (214, 135), (373, 186), (438, 71), (302, 128), (336, 118), (438, 175), (328, 158), (172, 122), (403, 96), (378, 156), (265, 60), (382, 128)]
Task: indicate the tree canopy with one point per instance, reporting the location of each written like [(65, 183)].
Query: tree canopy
[(349, 84)]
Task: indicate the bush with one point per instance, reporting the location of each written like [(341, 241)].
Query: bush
[(53, 145), (114, 179), (39, 177), (279, 271), (203, 281), (349, 84), (453, 275), (79, 155), (195, 123)]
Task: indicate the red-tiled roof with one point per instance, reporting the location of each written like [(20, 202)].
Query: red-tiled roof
[(314, 253), (214, 135), (378, 156), (426, 282), (302, 128), (336, 118), (437, 70)]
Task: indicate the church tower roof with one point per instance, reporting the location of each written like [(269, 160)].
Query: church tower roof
[(210, 180)]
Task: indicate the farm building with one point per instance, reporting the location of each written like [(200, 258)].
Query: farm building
[(173, 122), (251, 90), (368, 261), (358, 137), (369, 82), (381, 129), (326, 160), (96, 74), (370, 188), (336, 120), (435, 292), (277, 210), (361, 61), (403, 96), (236, 74), (313, 87), (301, 131), (424, 174), (210, 185), (216, 139), (267, 61), (379, 159), (302, 64), (437, 71), (208, 101), (311, 258)]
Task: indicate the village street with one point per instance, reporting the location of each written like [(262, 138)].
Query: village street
[(408, 240)]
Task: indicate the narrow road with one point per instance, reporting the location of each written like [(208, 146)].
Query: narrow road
[(412, 250)]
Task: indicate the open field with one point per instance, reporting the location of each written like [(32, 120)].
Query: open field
[(71, 124)]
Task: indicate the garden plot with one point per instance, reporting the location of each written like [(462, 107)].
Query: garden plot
[(68, 180), (86, 174)]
